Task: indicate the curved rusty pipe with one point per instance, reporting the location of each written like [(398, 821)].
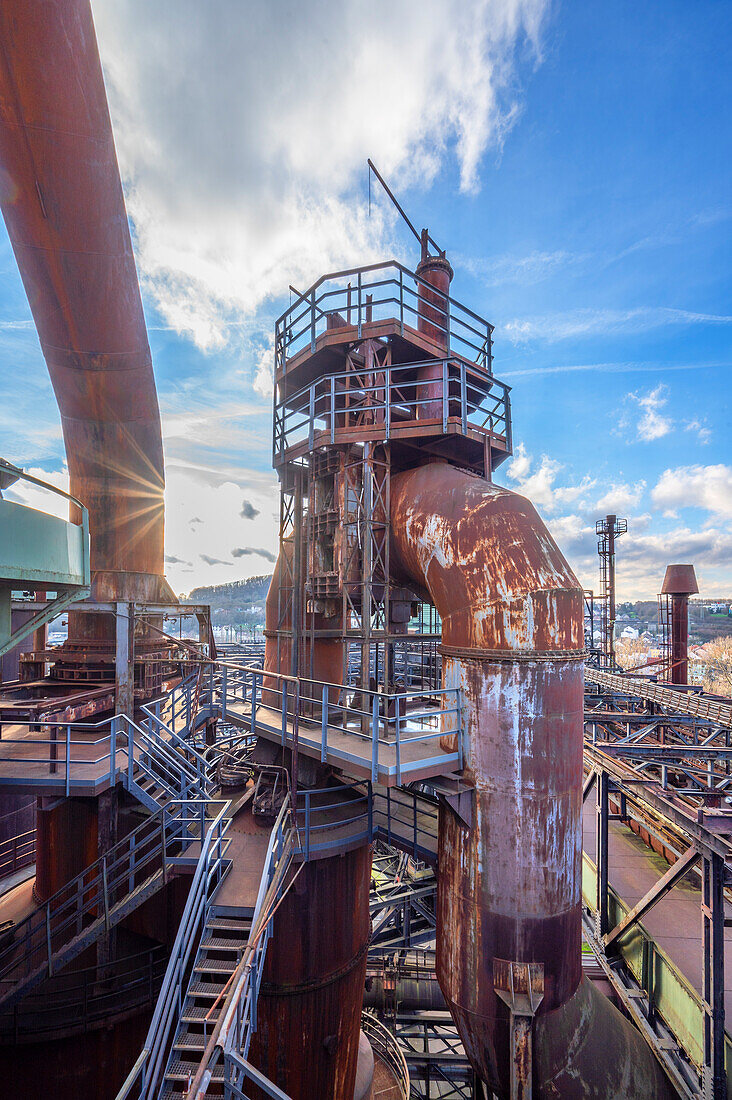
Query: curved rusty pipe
[(510, 887), (62, 201)]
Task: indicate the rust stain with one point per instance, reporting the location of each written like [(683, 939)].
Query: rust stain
[(512, 609)]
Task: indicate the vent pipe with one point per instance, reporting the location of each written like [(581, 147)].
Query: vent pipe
[(679, 583)]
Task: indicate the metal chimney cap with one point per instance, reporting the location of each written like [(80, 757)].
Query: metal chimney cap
[(680, 580), (433, 262)]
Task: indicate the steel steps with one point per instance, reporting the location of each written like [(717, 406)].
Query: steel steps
[(222, 943)]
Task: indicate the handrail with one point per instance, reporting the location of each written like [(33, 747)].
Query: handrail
[(208, 868), (386, 1046), (133, 861), (19, 474), (237, 1018), (455, 313)]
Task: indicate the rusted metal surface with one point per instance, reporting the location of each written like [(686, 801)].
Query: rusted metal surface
[(510, 887), (433, 322), (63, 205), (327, 653), (679, 583), (608, 1058), (309, 1008)]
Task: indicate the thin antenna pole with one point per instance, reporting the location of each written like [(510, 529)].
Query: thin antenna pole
[(390, 193)]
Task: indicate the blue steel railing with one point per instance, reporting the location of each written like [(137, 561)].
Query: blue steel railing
[(207, 876), (101, 891), (385, 722)]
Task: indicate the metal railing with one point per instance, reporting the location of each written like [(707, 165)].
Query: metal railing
[(98, 898), (377, 402), (379, 292), (208, 873), (386, 1047), (407, 820), (692, 703), (385, 722), (77, 1001)]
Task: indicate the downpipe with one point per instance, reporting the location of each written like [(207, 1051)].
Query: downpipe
[(509, 888)]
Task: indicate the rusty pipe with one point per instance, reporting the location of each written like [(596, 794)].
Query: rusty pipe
[(679, 583), (63, 206), (327, 652), (433, 314), (509, 888)]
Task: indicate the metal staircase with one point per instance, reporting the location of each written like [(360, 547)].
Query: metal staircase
[(222, 945), (96, 900)]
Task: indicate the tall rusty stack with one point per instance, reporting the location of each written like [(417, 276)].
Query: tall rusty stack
[(678, 584)]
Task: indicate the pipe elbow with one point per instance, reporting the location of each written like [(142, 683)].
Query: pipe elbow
[(482, 553)]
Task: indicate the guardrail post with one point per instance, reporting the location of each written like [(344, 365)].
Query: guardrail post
[(359, 305), (398, 742), (602, 920), (105, 889), (375, 739), (311, 417), (48, 939), (463, 399), (164, 847), (253, 705), (401, 301), (312, 319), (112, 753), (68, 760), (284, 711), (324, 727), (307, 826), (224, 690), (461, 746), (445, 409)]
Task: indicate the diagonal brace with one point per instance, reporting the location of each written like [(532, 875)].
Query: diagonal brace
[(674, 874)]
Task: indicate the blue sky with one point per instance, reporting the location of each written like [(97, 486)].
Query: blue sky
[(574, 160)]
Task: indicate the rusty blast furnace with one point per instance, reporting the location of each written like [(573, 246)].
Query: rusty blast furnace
[(388, 427)]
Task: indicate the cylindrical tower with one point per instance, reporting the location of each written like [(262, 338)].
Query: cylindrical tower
[(679, 583), (309, 1008)]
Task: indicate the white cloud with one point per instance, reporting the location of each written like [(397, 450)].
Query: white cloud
[(525, 270), (702, 433), (538, 483), (243, 129), (601, 322), (708, 487), (620, 498), (653, 423)]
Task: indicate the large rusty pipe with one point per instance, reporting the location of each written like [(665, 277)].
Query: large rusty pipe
[(309, 1006), (62, 201), (509, 887)]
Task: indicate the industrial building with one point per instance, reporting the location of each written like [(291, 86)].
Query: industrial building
[(428, 840)]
